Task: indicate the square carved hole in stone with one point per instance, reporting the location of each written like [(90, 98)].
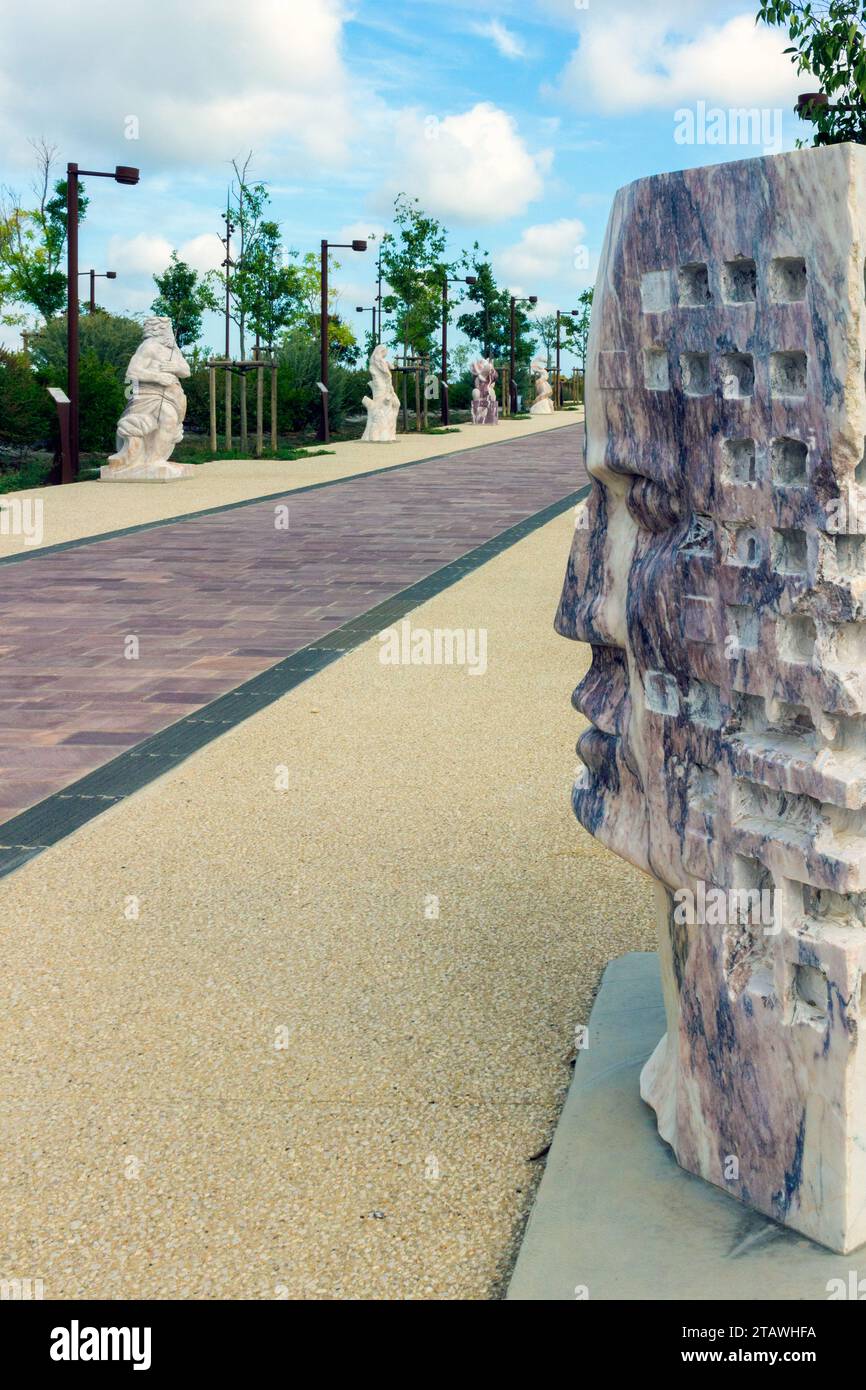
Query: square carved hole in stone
[(737, 371), (738, 461), (810, 994), (842, 909), (703, 790), (851, 556), (788, 462), (694, 286), (794, 721), (788, 552), (788, 373), (795, 638), (704, 704), (743, 627), (744, 546), (655, 369), (695, 367), (661, 692), (739, 281), (655, 291), (787, 280)]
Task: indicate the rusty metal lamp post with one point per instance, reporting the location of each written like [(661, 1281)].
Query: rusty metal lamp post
[(123, 173), (512, 386), (446, 281), (325, 427), (94, 276)]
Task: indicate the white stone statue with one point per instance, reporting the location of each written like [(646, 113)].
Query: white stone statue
[(543, 403), (383, 407), (152, 422)]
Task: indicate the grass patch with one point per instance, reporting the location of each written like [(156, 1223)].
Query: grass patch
[(29, 470), (200, 453)]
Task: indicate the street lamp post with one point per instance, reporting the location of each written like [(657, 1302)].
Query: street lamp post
[(94, 276), (559, 313), (512, 388), (362, 309), (446, 281), (123, 173), (325, 427)]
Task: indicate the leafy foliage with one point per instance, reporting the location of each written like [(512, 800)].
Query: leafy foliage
[(26, 410), (489, 324), (827, 42), (110, 338), (183, 297), (33, 242), (413, 263)]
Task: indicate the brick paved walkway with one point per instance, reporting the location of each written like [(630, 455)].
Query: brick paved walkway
[(216, 599)]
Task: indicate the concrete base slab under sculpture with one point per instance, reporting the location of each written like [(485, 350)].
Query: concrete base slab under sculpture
[(165, 472), (615, 1216)]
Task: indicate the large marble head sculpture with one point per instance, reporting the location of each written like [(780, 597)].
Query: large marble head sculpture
[(718, 573)]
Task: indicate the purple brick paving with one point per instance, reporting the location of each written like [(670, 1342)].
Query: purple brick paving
[(214, 600)]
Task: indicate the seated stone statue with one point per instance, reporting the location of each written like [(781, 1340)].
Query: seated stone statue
[(152, 422), (543, 403), (383, 406)]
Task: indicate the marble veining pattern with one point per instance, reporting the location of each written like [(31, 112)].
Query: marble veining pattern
[(718, 571)]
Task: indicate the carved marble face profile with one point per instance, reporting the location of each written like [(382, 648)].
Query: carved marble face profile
[(718, 572)]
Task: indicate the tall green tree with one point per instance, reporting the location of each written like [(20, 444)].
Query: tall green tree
[(579, 328), (488, 323), (413, 264), (269, 286), (183, 297), (827, 41), (33, 241)]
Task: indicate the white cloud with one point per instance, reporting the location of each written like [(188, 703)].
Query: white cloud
[(545, 252), (638, 57), (473, 167), (149, 255), (506, 42), (202, 82)]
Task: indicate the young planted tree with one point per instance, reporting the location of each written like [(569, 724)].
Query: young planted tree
[(579, 328), (270, 286), (827, 42), (413, 264), (341, 340), (33, 242), (488, 324), (545, 327), (183, 297)]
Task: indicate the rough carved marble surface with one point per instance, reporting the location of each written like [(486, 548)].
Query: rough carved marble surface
[(152, 423), (383, 406), (719, 572), (485, 407), (543, 403)]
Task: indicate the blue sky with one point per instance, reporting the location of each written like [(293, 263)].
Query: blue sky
[(515, 125)]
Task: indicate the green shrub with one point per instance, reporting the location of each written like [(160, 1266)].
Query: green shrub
[(102, 401), (110, 338), (27, 413)]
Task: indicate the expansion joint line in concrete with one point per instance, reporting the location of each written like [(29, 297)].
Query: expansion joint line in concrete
[(49, 821)]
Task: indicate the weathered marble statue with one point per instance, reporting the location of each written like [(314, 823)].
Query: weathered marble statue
[(152, 422), (383, 407), (485, 407), (543, 403), (719, 574)]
